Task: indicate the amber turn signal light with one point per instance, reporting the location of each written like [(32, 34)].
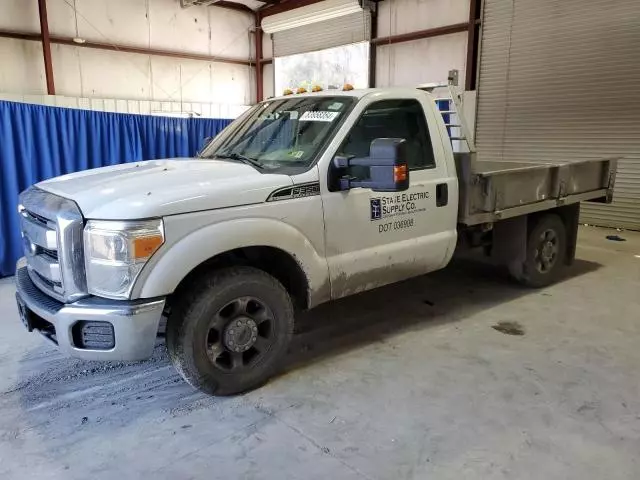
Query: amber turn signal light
[(400, 173), (144, 247)]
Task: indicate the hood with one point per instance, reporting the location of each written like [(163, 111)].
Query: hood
[(157, 188)]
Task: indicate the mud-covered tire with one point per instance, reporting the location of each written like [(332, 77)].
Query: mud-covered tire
[(547, 238), (214, 316)]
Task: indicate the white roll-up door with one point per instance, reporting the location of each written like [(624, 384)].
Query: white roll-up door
[(351, 28), (318, 26), (560, 80)]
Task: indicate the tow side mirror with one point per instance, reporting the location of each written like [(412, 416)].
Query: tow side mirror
[(387, 164)]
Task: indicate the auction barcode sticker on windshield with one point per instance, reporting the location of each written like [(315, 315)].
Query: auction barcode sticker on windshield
[(319, 116)]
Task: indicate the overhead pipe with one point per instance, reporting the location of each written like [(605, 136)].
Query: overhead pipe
[(240, 7), (267, 10)]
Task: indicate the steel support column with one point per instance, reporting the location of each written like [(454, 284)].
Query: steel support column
[(259, 63), (372, 46), (46, 46), (472, 44)]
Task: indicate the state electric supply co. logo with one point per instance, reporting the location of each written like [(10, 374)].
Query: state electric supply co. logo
[(398, 204), (376, 209)]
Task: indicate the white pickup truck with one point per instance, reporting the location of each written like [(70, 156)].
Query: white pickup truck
[(303, 199)]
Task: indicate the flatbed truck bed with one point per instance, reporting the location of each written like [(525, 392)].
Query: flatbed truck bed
[(497, 190)]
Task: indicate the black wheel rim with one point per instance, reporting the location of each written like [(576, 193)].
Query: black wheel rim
[(240, 334), (546, 251)]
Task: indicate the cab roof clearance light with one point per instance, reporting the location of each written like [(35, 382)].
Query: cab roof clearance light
[(347, 87)]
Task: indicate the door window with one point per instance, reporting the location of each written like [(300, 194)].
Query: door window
[(392, 119)]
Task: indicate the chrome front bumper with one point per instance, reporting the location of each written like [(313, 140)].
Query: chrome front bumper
[(134, 323)]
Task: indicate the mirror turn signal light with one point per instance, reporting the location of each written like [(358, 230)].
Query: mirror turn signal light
[(400, 173)]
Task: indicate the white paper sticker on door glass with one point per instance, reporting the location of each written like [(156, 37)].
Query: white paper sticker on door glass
[(318, 116)]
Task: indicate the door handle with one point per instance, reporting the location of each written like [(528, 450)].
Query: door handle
[(442, 194)]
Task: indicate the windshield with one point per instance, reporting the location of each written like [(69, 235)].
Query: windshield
[(281, 133)]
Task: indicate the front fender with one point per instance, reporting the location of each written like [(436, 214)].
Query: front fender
[(173, 262)]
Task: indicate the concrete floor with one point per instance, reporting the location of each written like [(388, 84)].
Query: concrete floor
[(409, 381)]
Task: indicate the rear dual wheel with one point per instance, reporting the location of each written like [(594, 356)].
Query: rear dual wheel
[(231, 331), (546, 252)]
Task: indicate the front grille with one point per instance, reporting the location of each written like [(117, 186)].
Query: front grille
[(40, 245), (37, 218), (52, 243), (52, 254), (54, 288)]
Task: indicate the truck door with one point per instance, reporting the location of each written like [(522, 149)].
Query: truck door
[(376, 238)]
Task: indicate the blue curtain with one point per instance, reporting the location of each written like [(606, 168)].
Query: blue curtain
[(39, 142)]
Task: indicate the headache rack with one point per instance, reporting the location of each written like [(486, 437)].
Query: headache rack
[(451, 109)]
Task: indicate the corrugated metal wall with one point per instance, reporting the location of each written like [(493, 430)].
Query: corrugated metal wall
[(559, 80)]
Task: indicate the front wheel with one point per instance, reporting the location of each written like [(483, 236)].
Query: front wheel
[(546, 252), (230, 332)]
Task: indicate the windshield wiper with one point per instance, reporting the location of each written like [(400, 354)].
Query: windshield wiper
[(240, 158)]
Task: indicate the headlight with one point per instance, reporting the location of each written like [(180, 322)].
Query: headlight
[(115, 252)]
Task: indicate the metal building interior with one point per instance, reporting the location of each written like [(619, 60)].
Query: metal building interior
[(455, 374)]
